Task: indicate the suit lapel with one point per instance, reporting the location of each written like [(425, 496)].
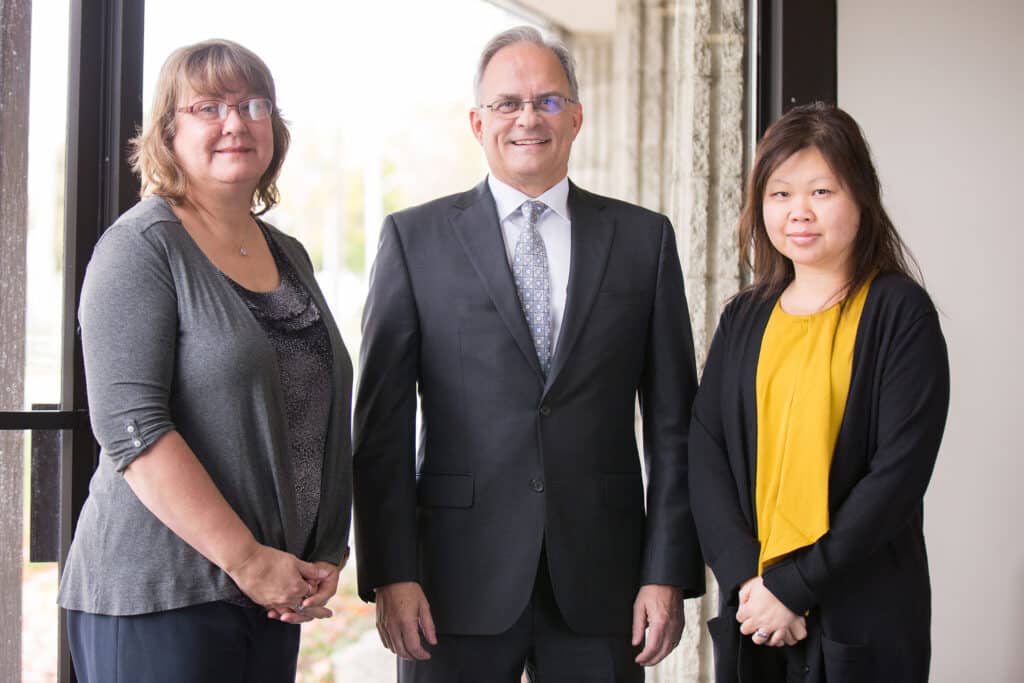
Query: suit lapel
[(592, 233), (475, 220)]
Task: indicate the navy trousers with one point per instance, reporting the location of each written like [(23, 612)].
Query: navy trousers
[(215, 642)]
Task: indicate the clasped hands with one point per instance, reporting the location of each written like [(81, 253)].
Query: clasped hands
[(763, 617), (403, 615), (293, 591)]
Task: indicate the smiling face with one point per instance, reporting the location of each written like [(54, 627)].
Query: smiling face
[(529, 150), (230, 155), (810, 216)]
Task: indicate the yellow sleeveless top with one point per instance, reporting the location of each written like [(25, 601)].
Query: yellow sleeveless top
[(803, 377)]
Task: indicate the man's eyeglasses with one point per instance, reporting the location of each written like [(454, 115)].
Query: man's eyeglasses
[(255, 109), (546, 104)]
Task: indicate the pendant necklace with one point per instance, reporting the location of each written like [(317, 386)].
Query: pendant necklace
[(242, 251)]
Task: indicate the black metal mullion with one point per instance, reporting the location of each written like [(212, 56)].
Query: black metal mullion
[(797, 47), (44, 419), (105, 108), (104, 111)]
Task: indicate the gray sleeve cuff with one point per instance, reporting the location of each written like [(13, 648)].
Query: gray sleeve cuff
[(137, 435)]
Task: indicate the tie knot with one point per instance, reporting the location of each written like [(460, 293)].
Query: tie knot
[(532, 210)]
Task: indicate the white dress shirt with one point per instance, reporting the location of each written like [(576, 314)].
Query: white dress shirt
[(555, 228)]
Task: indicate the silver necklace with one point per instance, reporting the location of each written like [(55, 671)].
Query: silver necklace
[(242, 251)]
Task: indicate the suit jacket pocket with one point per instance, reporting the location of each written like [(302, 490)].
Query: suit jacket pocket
[(846, 663), (444, 490)]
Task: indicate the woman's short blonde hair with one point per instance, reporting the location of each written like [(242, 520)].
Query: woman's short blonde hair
[(212, 67)]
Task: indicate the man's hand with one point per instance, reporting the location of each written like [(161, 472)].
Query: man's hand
[(402, 613), (659, 610), (765, 618)]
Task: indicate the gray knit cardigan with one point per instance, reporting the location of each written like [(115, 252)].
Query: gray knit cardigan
[(169, 345)]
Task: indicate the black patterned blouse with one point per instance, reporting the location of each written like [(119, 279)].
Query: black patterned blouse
[(292, 322)]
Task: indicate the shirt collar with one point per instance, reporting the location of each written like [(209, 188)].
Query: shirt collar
[(508, 199)]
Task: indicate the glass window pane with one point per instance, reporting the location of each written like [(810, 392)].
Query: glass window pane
[(39, 378), (45, 239), (39, 611)]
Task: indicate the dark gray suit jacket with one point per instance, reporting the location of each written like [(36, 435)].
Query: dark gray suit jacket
[(508, 460)]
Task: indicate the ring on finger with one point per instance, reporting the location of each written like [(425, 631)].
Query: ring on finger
[(761, 634), (297, 608)]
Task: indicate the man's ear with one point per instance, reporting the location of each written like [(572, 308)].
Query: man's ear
[(577, 120), (476, 123)]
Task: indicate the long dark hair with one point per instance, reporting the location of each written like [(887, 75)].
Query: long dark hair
[(877, 246)]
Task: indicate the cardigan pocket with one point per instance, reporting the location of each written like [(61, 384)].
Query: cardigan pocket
[(848, 663)]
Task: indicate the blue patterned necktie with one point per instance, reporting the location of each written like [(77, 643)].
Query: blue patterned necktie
[(530, 268)]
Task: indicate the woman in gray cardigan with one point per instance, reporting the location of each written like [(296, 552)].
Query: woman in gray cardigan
[(219, 392)]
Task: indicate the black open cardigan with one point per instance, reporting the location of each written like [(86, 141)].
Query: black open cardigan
[(865, 583)]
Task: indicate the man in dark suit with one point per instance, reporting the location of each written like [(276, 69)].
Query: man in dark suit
[(530, 314)]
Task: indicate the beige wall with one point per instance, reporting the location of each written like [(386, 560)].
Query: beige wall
[(937, 89)]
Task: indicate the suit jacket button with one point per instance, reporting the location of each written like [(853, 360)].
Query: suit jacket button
[(537, 485), (545, 409)]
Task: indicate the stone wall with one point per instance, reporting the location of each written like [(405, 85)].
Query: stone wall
[(663, 102), (14, 76)]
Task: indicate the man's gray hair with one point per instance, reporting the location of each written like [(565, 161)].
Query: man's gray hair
[(527, 34)]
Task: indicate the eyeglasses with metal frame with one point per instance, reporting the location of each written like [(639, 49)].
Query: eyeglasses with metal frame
[(252, 109), (545, 104)]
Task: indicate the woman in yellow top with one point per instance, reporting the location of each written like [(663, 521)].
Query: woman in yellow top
[(817, 424)]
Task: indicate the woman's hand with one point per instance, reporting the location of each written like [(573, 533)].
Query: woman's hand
[(796, 632), (276, 579), (765, 618), (314, 606)]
